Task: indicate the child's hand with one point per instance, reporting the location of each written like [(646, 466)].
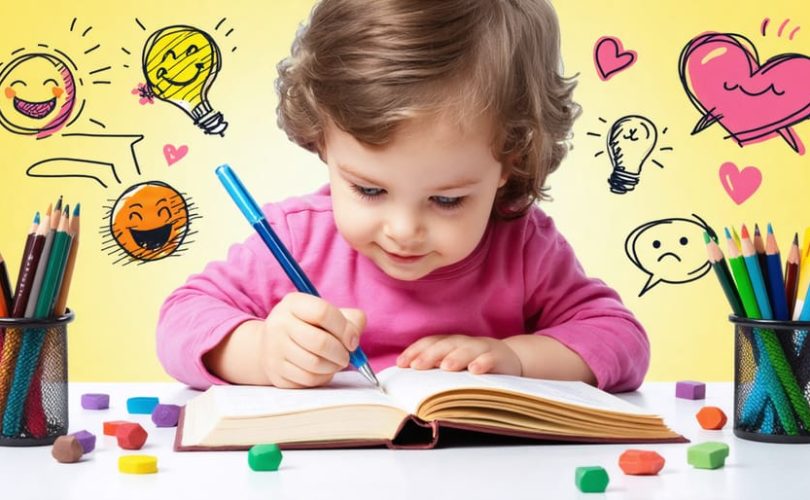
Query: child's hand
[(459, 352), (306, 340)]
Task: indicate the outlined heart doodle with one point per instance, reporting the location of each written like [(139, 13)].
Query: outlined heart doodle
[(610, 57), (724, 80), (173, 154), (739, 184)]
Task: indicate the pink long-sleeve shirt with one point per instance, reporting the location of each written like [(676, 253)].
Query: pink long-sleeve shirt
[(523, 277)]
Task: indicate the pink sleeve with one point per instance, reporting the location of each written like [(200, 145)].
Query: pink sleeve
[(210, 305), (582, 313)]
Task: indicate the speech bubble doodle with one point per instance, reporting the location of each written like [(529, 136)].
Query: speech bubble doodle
[(739, 184), (669, 250)]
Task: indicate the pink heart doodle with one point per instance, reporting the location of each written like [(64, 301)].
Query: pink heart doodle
[(724, 80), (610, 57), (172, 154), (739, 184)]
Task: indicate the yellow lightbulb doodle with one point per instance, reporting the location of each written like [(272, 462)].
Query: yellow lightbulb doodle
[(630, 142), (180, 64)]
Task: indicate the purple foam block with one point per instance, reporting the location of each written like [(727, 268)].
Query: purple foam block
[(166, 415), (86, 439), (687, 389), (95, 401)]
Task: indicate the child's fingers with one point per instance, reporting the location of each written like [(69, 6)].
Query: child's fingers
[(318, 312), (412, 351), (484, 363), (432, 356), (298, 375), (310, 361), (461, 356), (320, 343)]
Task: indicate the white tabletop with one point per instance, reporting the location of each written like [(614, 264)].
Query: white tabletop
[(753, 470)]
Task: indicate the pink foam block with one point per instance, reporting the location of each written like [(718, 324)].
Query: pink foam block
[(688, 389)]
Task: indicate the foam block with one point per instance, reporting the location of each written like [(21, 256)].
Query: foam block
[(111, 427), (708, 455), (711, 418), (264, 457), (166, 415), (689, 389), (137, 464), (593, 479), (86, 439), (131, 436), (95, 401), (142, 405), (641, 462), (67, 449)]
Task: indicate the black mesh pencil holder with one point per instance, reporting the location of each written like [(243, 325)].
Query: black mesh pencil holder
[(771, 380), (33, 380)]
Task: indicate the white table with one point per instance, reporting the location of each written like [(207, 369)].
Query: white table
[(752, 471)]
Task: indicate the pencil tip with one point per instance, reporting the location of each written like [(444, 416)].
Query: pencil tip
[(706, 237), (756, 230), (59, 203), (728, 233), (66, 211), (770, 228), (795, 238), (77, 209), (36, 220), (744, 232), (50, 209)]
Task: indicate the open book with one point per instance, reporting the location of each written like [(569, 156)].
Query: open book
[(414, 408)]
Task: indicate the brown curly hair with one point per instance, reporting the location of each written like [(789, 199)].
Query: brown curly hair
[(369, 66)]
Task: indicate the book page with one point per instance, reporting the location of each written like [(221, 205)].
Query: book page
[(347, 388), (408, 388)]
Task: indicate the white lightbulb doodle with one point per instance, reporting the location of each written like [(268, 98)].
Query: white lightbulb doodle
[(630, 142)]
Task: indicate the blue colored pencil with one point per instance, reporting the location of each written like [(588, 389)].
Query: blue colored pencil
[(773, 260), (755, 273)]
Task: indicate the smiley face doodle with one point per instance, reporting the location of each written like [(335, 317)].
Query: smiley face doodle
[(149, 221), (669, 250), (39, 93)]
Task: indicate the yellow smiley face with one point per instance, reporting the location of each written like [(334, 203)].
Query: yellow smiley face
[(149, 221), (177, 62), (38, 94)]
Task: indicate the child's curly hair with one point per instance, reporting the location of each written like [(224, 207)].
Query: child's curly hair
[(367, 66)]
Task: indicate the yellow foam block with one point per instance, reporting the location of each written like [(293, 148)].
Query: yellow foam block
[(137, 464)]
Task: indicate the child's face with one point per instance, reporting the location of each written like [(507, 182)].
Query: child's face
[(418, 203)]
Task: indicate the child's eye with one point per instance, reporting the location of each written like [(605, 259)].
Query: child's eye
[(366, 192), (448, 202)]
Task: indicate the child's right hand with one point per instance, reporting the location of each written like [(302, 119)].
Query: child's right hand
[(306, 340)]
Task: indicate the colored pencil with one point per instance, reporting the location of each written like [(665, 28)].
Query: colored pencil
[(5, 290), (755, 274), (46, 250), (720, 267), (767, 344), (73, 229), (804, 274), (736, 238), (792, 274), (28, 358), (13, 339), (759, 248), (773, 260)]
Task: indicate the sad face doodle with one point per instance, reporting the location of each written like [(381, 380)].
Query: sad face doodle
[(38, 94), (149, 221), (669, 250)]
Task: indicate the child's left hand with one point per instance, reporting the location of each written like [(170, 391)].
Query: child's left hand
[(459, 352)]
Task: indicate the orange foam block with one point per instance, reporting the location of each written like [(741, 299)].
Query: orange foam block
[(111, 427), (641, 462), (711, 418)]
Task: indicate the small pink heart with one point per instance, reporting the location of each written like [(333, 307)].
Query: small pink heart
[(173, 154), (739, 184), (611, 58)]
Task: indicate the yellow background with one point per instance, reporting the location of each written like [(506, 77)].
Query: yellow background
[(117, 306)]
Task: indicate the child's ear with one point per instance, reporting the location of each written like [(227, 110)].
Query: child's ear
[(509, 162)]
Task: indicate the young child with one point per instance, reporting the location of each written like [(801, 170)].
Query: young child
[(438, 123)]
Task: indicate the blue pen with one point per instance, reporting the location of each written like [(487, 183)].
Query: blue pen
[(254, 215)]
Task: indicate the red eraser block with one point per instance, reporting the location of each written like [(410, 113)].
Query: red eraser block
[(111, 427), (641, 462), (711, 418), (131, 436)]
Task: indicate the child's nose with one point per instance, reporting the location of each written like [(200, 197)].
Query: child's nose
[(405, 228)]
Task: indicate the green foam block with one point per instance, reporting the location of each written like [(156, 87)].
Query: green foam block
[(708, 455)]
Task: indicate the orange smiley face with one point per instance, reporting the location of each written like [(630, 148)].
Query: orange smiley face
[(149, 221)]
